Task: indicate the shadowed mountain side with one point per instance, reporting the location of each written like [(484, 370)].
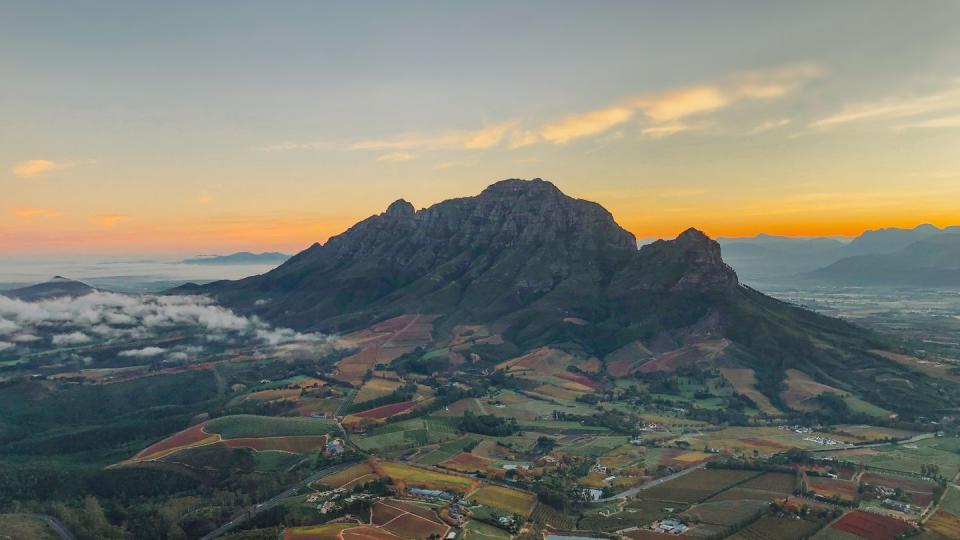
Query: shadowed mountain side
[(526, 259)]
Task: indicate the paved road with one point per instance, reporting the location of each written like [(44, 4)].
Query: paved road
[(276, 500), (653, 483), (911, 440)]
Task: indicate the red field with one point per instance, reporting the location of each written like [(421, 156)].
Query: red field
[(407, 520), (295, 444), (871, 526), (466, 462), (189, 436), (829, 487), (386, 411), (364, 532), (580, 379)]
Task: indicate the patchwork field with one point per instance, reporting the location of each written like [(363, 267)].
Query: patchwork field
[(830, 487), (725, 513), (506, 499), (446, 450), (477, 530), (382, 343), (918, 490), (407, 434), (190, 437)]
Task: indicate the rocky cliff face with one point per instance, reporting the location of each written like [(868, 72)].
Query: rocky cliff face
[(517, 246)]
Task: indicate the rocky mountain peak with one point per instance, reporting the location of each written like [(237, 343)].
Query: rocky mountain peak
[(400, 208)]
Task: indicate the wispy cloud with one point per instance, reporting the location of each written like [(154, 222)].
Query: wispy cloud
[(770, 125), (939, 122), (38, 167), (397, 156), (109, 220), (36, 212), (663, 113), (894, 108)]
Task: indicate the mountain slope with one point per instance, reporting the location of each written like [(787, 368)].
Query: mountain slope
[(541, 268), (931, 262)]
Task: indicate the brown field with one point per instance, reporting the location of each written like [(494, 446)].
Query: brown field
[(506, 499), (944, 523), (414, 526), (347, 476), (929, 367), (539, 362), (367, 532), (330, 531), (744, 381), (558, 392), (271, 395), (772, 481), (697, 486), (190, 437), (872, 433), (829, 487), (627, 359), (777, 528), (688, 355), (467, 463), (725, 513), (802, 391), (580, 379), (853, 452), (299, 444), (375, 388)]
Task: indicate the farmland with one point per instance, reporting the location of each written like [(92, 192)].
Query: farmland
[(347, 477), (506, 499), (386, 411), (870, 526), (698, 485), (777, 528), (192, 436), (944, 523), (317, 532), (941, 451), (418, 477), (240, 426)]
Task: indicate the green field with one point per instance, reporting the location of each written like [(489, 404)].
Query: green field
[(406, 434), (245, 425), (446, 450), (272, 461), (18, 527), (595, 446), (477, 530), (943, 452)]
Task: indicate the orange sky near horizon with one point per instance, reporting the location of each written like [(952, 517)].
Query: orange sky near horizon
[(185, 128)]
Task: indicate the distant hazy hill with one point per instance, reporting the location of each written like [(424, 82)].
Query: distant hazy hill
[(57, 287), (932, 262), (891, 240), (242, 257), (766, 257), (769, 258)]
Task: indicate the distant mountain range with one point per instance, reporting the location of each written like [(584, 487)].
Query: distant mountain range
[(829, 260), (931, 262), (58, 287), (537, 268), (242, 257)]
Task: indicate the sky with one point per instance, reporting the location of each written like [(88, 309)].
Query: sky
[(217, 126)]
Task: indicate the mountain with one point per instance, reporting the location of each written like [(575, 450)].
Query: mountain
[(58, 287), (891, 240), (765, 257), (242, 257), (537, 268), (931, 262)]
